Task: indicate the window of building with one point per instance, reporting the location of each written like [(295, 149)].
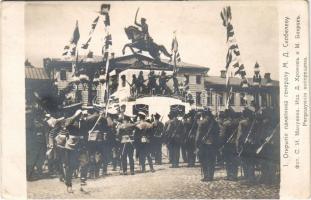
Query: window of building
[(220, 99), (198, 98), (232, 97), (264, 100), (186, 79), (209, 98), (198, 79), (242, 100), (93, 95), (78, 95), (63, 75)]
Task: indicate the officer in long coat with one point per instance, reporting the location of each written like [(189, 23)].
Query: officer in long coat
[(175, 133), (268, 151), (207, 142), (166, 138), (228, 134), (246, 146), (190, 126)]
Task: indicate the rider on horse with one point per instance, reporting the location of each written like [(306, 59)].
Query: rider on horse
[(143, 26)]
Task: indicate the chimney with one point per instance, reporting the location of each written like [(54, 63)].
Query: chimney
[(223, 73), (267, 76), (112, 55)]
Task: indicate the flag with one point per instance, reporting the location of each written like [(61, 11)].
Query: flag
[(174, 49), (70, 49), (76, 35), (93, 26)]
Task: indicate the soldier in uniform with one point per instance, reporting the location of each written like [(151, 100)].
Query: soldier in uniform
[(166, 137), (245, 145), (207, 142), (228, 134), (71, 127), (125, 133), (95, 143), (190, 127), (152, 82), (144, 133), (116, 149), (36, 143), (56, 147), (175, 132), (268, 151), (84, 125), (157, 138)]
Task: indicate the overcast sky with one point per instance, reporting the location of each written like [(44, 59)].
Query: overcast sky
[(201, 36)]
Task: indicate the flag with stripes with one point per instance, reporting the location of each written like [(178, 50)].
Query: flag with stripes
[(70, 49), (174, 49), (234, 64)]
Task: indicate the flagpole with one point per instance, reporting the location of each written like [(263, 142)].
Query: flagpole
[(107, 83)]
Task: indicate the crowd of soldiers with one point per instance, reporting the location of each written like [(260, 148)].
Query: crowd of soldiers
[(84, 142)]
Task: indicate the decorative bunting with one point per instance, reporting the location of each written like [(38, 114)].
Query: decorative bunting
[(233, 60)]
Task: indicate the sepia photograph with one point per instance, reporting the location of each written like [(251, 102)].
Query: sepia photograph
[(152, 100)]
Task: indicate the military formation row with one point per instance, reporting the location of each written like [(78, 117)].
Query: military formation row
[(86, 142)]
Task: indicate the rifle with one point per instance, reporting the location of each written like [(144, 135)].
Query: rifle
[(247, 137), (191, 129), (267, 140), (209, 130), (172, 136), (157, 129), (231, 136)]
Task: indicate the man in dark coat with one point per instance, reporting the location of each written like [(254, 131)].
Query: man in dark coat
[(167, 139), (207, 142), (190, 126), (246, 144), (175, 132), (228, 134), (268, 151)]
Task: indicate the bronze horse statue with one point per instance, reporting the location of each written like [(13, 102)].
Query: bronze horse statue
[(143, 44)]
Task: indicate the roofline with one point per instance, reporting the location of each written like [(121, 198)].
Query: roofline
[(120, 58)]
